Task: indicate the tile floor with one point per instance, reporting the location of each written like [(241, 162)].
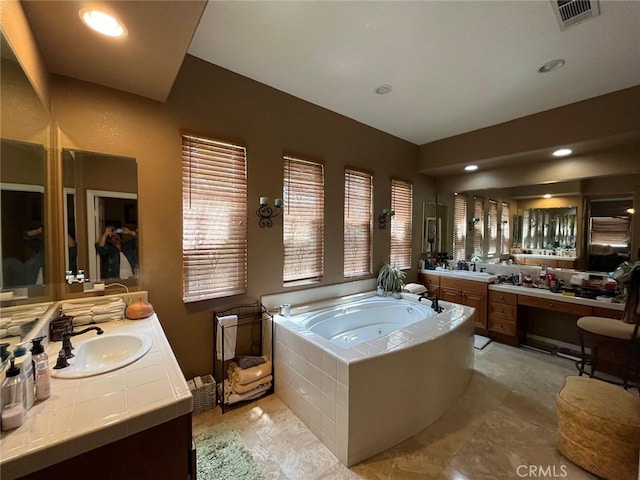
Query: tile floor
[(504, 420)]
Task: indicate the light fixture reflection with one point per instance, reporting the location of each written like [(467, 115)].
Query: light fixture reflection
[(546, 195), (103, 23), (471, 168), (631, 210)]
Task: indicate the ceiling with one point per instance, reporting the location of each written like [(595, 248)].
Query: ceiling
[(454, 66)]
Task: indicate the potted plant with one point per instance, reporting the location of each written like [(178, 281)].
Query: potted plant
[(390, 280)]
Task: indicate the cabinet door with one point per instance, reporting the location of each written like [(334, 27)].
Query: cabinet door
[(479, 302), (450, 294)]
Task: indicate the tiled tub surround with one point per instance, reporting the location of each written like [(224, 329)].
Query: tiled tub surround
[(86, 413), (362, 400)]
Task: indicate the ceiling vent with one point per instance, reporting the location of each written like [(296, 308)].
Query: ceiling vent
[(572, 12)]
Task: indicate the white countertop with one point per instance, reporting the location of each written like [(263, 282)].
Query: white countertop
[(547, 294), (86, 413)]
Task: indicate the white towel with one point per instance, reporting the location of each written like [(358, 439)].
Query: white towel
[(415, 288), (229, 323), (244, 376), (237, 388), (230, 397)]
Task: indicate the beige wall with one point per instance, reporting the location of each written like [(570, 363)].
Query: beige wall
[(220, 104)]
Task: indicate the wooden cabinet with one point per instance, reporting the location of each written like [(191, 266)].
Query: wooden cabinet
[(503, 313), (469, 293), (431, 282)]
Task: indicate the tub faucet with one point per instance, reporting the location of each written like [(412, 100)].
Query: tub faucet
[(434, 301), (66, 339)]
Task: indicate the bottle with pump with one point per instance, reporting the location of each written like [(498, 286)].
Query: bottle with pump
[(41, 367), (24, 362), (14, 411)]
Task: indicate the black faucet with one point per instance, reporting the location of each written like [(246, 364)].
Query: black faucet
[(434, 301), (66, 339)]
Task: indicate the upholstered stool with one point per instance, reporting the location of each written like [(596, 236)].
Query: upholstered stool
[(613, 338), (599, 427)]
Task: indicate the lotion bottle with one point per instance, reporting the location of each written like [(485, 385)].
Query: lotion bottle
[(14, 412), (24, 362), (41, 367)]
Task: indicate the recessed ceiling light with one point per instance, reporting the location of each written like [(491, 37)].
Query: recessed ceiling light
[(546, 195), (471, 168), (551, 65), (562, 152), (383, 89), (103, 23)]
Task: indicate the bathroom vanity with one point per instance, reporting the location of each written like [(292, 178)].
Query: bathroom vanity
[(133, 422)]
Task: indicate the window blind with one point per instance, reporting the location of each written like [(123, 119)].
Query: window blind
[(214, 219), (303, 221), (613, 231), (506, 228), (478, 227), (492, 222), (401, 226), (358, 201), (460, 226)]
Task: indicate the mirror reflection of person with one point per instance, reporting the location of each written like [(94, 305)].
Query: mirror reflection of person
[(35, 265), (118, 253)]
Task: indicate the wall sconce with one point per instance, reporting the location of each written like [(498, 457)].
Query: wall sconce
[(266, 212), (384, 217)]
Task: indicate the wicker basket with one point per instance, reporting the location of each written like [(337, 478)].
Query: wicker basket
[(204, 398)]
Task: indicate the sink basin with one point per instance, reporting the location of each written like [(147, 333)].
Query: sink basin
[(105, 354)]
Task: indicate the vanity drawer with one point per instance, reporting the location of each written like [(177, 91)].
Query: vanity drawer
[(559, 306), (506, 312), (499, 324), (502, 297), (607, 313)]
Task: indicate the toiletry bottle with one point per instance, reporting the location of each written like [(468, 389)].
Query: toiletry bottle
[(41, 367), (14, 412), (24, 362)]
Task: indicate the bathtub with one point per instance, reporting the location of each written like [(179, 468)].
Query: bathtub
[(368, 373)]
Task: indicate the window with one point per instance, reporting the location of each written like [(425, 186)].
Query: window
[(214, 223), (478, 225), (401, 227), (492, 222), (613, 231), (358, 194), (303, 221), (506, 230), (460, 226)]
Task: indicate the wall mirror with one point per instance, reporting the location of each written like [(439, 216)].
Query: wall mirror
[(26, 288), (435, 222), (25, 245), (101, 216)]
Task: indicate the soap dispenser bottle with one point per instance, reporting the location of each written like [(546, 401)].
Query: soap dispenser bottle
[(14, 412), (41, 367), (24, 362)]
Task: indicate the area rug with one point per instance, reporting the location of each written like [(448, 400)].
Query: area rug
[(480, 342), (221, 455)]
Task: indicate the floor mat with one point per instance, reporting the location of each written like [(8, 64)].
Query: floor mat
[(480, 342)]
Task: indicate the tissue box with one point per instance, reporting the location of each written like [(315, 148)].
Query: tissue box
[(204, 397)]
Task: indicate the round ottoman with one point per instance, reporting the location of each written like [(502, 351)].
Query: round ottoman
[(599, 427)]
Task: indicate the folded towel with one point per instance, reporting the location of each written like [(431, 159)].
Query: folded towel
[(415, 288), (82, 320), (237, 388), (248, 361), (229, 323), (230, 397), (244, 376), (198, 382)]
